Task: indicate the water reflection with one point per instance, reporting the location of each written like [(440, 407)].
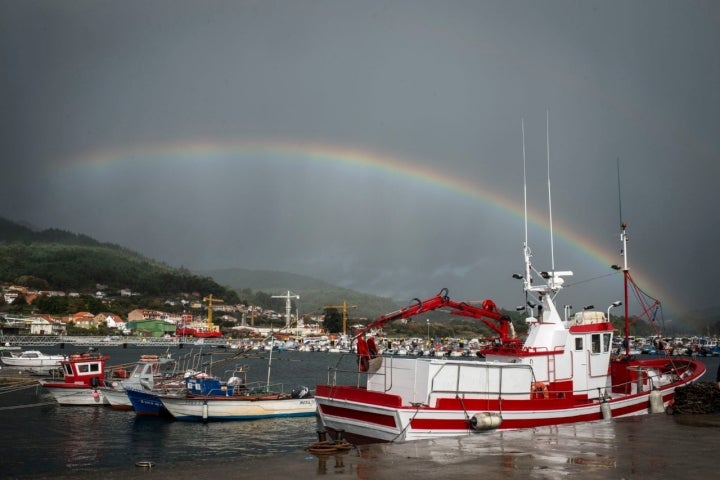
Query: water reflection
[(634, 447), (159, 439)]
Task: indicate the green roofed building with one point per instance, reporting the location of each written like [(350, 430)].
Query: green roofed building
[(151, 328)]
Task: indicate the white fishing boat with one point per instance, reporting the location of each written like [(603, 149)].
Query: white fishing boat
[(147, 372), (208, 398), (29, 359), (562, 372)]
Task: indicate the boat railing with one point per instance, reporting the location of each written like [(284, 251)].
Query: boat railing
[(261, 387), (488, 367), (344, 370)]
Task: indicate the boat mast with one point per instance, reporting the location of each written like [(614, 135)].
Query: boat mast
[(553, 279), (626, 271)]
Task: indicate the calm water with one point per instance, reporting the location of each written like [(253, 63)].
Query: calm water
[(45, 440)]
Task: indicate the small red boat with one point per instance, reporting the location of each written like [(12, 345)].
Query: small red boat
[(83, 375)]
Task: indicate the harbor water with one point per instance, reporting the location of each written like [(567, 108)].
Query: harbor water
[(44, 440)]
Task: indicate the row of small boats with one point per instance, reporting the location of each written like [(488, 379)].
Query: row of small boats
[(154, 387)]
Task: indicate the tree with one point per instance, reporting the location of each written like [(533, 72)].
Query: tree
[(32, 282), (333, 320)]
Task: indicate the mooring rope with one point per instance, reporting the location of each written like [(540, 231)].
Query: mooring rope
[(27, 405), (417, 410), (17, 386)]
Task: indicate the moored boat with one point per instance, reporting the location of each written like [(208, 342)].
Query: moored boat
[(32, 359), (208, 398), (149, 370), (83, 375), (562, 372), (146, 403)]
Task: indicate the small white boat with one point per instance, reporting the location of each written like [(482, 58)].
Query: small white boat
[(208, 398), (32, 359), (149, 370)]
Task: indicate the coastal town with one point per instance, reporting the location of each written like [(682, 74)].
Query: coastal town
[(254, 328)]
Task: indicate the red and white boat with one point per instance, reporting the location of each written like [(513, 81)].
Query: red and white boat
[(563, 372), (83, 375)]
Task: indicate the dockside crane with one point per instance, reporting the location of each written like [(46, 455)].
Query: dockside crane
[(209, 299), (343, 308)]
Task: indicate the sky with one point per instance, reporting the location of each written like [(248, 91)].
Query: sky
[(376, 145)]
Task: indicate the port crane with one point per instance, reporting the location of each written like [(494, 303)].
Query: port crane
[(210, 299)]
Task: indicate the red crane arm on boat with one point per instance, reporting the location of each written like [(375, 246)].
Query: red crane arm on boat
[(442, 300), (488, 311)]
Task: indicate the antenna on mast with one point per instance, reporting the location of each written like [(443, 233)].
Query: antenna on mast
[(554, 280), (522, 124), (623, 225), (552, 245), (526, 248)]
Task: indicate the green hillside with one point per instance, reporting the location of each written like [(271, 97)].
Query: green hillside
[(58, 260)]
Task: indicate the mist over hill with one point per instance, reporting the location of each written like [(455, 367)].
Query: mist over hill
[(314, 294)]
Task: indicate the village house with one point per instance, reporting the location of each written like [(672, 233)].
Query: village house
[(46, 325), (111, 320), (145, 314), (83, 320)]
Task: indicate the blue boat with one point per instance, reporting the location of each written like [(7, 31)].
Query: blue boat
[(146, 402)]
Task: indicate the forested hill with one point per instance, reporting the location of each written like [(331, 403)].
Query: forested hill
[(58, 260), (14, 232)]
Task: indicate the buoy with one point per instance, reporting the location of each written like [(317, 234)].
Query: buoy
[(95, 394), (205, 411), (605, 410), (541, 390), (656, 402), (485, 421)]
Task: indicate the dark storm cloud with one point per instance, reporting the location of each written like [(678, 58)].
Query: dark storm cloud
[(442, 84)]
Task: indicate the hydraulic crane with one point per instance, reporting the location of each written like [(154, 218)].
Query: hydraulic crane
[(344, 308), (488, 313)]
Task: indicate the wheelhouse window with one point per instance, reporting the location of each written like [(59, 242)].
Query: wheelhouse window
[(89, 367), (578, 343), (607, 339), (595, 343)]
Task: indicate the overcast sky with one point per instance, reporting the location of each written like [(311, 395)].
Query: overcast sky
[(376, 145)]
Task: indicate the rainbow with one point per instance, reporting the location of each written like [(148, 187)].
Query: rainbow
[(409, 170)]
